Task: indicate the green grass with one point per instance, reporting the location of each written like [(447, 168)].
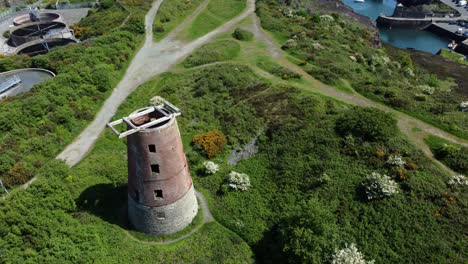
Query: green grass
[(216, 13), (221, 50), (171, 14), (453, 56), (268, 65)]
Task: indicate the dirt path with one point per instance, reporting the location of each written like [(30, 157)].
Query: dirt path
[(207, 218), (152, 59), (415, 129)]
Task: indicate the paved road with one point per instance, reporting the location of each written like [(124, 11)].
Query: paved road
[(463, 12), (152, 59)]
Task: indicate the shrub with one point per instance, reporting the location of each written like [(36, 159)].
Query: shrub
[(456, 157), (211, 142), (396, 160), (135, 25), (158, 29), (309, 233), (458, 181), (379, 186), (380, 153), (464, 106), (243, 35), (349, 255), (238, 181), (367, 123), (210, 167), (20, 173)]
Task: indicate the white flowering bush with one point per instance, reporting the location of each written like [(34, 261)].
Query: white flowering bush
[(379, 186), (396, 160), (464, 106), (210, 167), (426, 89), (349, 255), (458, 181), (238, 181)]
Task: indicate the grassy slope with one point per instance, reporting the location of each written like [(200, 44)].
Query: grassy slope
[(298, 145), (216, 13), (456, 57), (380, 74), (58, 109), (172, 13), (75, 212)]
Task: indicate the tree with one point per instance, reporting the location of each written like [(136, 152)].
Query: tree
[(369, 124), (309, 235)]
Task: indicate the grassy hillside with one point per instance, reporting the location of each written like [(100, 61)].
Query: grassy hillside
[(38, 124), (310, 166), (307, 168), (330, 47)]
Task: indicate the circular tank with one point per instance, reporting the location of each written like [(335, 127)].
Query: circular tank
[(36, 30), (46, 16), (29, 77), (42, 46)]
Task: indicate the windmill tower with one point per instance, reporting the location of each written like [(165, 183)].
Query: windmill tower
[(161, 197)]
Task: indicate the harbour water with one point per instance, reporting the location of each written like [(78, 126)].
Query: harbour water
[(401, 38)]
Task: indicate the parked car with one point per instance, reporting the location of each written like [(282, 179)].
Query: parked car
[(465, 34), (453, 23), (459, 31)]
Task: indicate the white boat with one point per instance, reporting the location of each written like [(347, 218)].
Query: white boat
[(359, 1)]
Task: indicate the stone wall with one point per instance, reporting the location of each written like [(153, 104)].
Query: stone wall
[(166, 219)]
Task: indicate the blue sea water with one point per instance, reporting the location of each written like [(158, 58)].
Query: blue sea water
[(401, 38)]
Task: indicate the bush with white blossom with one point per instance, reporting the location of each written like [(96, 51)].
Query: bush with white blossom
[(458, 181), (464, 106), (238, 181), (349, 255), (210, 167), (379, 186), (396, 160)]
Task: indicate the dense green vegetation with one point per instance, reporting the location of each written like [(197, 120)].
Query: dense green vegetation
[(215, 14), (306, 198), (58, 221), (170, 14), (452, 155), (331, 47), (38, 124), (310, 173), (221, 50), (241, 34)]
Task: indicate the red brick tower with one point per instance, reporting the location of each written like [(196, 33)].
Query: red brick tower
[(161, 197)]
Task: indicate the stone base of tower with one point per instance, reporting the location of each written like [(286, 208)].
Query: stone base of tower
[(166, 219)]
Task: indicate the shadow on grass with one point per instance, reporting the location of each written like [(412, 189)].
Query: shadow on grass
[(106, 201), (269, 249)]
